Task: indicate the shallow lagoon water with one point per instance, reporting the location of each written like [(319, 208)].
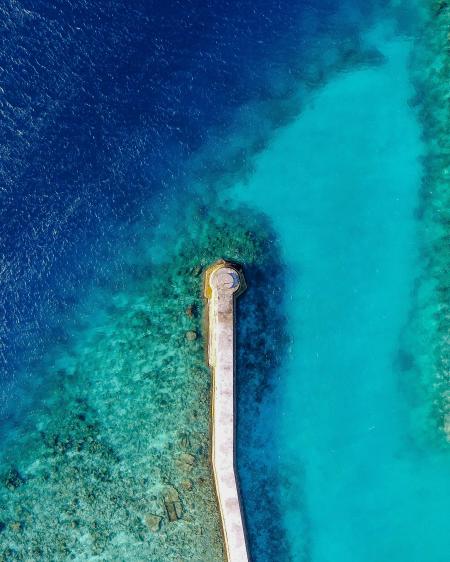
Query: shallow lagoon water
[(341, 185)]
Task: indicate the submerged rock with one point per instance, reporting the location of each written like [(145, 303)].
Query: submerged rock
[(187, 458), (153, 522), (186, 461), (191, 310), (172, 504), (187, 485), (191, 335), (174, 511)]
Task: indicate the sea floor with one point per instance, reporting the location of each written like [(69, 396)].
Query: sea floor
[(112, 461)]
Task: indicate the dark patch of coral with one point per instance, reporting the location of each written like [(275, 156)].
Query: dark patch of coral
[(425, 343)]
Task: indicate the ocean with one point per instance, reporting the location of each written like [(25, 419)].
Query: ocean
[(307, 141)]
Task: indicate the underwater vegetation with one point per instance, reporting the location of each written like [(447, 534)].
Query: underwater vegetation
[(425, 352), (116, 463)]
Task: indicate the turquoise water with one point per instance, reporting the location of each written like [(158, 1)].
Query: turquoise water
[(341, 185), (296, 144)]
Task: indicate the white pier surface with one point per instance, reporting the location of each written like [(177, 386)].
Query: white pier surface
[(223, 283)]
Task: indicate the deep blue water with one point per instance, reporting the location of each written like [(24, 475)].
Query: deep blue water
[(101, 104), (113, 114)]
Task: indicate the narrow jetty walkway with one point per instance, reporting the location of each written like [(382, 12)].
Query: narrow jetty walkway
[(223, 282)]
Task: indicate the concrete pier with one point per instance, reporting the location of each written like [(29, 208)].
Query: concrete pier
[(223, 282)]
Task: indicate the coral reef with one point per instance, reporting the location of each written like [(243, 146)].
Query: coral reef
[(425, 349), (115, 465)]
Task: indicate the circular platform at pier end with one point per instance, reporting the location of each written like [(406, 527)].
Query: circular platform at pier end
[(225, 279)]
